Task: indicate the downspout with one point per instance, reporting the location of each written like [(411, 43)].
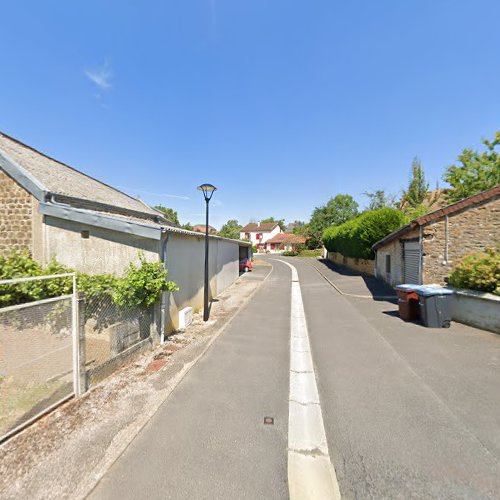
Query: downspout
[(420, 261), (163, 306), (446, 239)]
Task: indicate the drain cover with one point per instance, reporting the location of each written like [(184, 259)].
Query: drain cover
[(268, 420)]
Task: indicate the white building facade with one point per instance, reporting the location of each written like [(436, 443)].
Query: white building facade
[(259, 233)]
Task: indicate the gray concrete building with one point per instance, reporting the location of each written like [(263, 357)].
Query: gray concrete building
[(56, 211)]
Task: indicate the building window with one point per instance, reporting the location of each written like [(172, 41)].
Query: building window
[(388, 264)]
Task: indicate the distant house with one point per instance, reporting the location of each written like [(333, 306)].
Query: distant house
[(259, 233), (427, 249), (200, 228), (284, 242)]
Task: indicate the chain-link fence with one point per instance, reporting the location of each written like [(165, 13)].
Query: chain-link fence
[(54, 345), (36, 347), (111, 332)]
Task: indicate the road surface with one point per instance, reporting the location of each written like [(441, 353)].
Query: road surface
[(407, 412)]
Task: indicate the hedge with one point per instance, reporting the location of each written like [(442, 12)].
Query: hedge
[(356, 237)]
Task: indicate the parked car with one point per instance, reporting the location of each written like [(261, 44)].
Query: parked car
[(246, 265)]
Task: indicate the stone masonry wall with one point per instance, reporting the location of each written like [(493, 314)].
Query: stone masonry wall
[(16, 209), (360, 265), (469, 231)]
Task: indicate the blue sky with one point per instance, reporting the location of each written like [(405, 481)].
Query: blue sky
[(281, 104)]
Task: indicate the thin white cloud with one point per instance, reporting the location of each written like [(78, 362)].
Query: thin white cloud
[(165, 195), (101, 76)]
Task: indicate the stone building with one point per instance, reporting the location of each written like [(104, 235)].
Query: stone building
[(426, 250), (56, 211)]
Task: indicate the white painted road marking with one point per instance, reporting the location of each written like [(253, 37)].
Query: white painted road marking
[(311, 474)]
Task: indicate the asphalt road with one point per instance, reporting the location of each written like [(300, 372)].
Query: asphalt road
[(408, 412)]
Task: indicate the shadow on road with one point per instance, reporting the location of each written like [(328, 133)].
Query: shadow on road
[(361, 283)]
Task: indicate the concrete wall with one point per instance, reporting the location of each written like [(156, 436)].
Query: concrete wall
[(359, 265), (185, 260), (478, 309), (104, 251)]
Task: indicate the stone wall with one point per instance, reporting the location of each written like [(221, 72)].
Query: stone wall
[(469, 231), (16, 210), (359, 265)]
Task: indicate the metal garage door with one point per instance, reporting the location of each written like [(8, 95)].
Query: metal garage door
[(412, 262)]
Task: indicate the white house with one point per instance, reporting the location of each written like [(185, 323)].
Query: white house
[(260, 233)]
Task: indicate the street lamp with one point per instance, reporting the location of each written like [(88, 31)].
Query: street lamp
[(208, 191)]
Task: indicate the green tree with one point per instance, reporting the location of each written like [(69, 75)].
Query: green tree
[(378, 199), (475, 172), (188, 226), (231, 229), (338, 210), (417, 187), (281, 222), (169, 213)]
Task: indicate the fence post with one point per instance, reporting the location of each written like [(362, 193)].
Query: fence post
[(82, 371), (76, 339)]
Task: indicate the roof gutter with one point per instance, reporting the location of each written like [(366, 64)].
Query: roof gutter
[(104, 207), (67, 212)]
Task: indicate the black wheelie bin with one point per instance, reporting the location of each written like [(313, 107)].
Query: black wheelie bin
[(435, 306)]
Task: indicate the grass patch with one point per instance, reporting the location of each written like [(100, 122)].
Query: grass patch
[(318, 252)]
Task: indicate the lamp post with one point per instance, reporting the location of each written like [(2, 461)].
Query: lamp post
[(208, 191)]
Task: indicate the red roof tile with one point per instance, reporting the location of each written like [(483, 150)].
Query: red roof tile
[(287, 238)]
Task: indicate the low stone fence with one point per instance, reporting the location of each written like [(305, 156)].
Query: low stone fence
[(360, 265), (478, 309)]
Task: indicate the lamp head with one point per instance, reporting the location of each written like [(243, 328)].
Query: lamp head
[(208, 190)]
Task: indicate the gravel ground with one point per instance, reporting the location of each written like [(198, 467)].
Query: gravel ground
[(65, 453)]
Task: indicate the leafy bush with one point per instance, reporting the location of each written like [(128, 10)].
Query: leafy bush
[(290, 253), (19, 264), (480, 271), (142, 285), (356, 237)]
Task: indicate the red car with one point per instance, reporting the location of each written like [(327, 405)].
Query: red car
[(245, 265)]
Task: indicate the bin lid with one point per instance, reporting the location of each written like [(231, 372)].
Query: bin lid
[(428, 291), (407, 287)]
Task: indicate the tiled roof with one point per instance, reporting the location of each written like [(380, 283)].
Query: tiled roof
[(487, 195), (200, 228), (287, 238), (264, 227), (61, 179)]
